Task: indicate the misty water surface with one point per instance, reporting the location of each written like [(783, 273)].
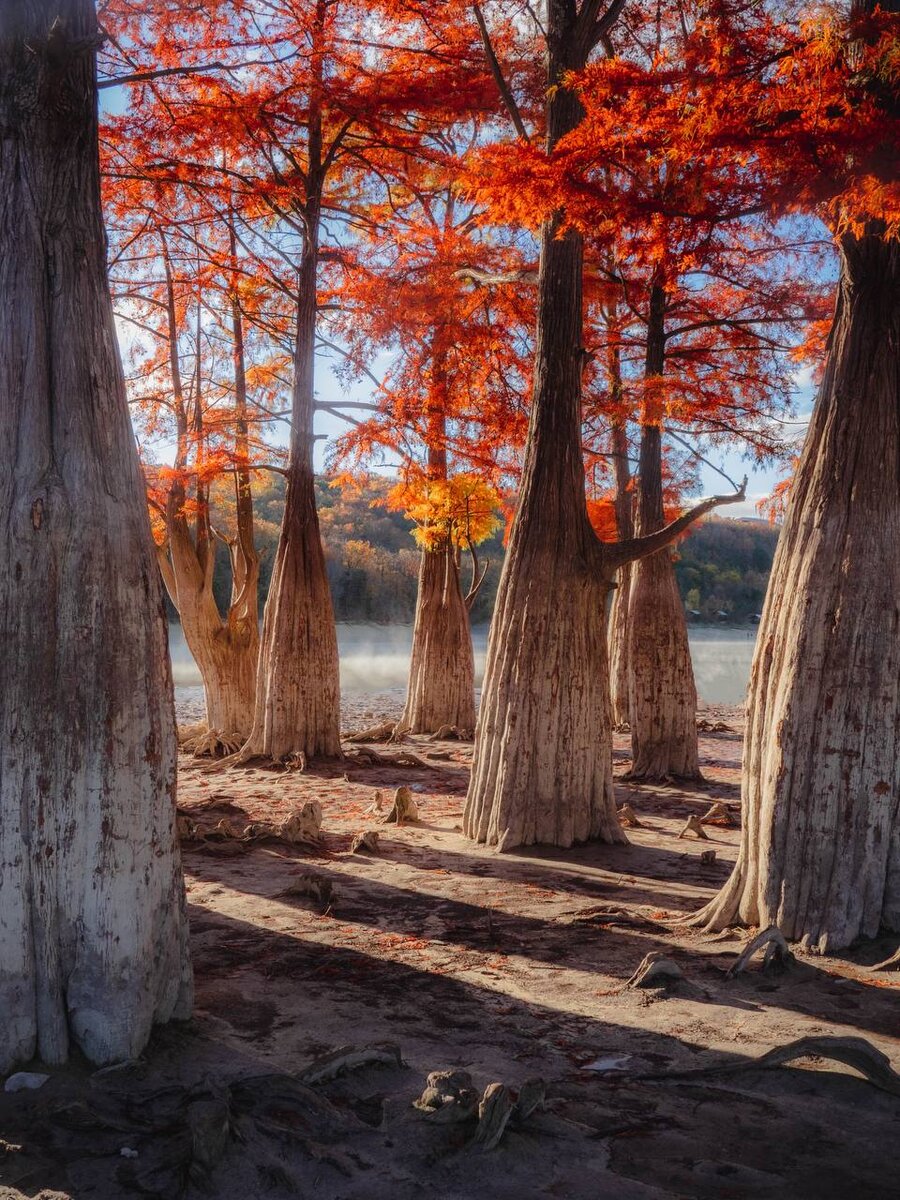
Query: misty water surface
[(374, 658)]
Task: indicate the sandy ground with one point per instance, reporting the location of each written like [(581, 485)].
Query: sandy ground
[(508, 967)]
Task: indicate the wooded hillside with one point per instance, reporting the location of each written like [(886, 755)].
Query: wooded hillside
[(722, 566)]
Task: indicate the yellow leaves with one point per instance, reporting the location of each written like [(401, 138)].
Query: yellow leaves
[(459, 509)]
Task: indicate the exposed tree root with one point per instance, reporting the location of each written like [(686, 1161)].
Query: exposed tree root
[(368, 757), (302, 826), (446, 732), (449, 1098), (889, 964), (494, 1111), (315, 887), (717, 814), (777, 957), (385, 731), (655, 970), (203, 742), (349, 1058), (692, 825), (366, 841), (853, 1052), (704, 726), (403, 809), (628, 818)]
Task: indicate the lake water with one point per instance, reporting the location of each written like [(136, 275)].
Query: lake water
[(374, 658)]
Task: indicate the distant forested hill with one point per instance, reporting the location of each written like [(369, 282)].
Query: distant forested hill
[(722, 566)]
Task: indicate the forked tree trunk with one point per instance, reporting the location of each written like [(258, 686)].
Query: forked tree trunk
[(225, 649), (820, 847), (298, 688), (441, 688), (663, 696), (93, 935)]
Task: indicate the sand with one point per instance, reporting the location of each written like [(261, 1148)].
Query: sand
[(508, 967)]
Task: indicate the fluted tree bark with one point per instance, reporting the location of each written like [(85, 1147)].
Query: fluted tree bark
[(542, 770), (93, 936), (662, 692), (617, 636), (298, 688), (820, 845)]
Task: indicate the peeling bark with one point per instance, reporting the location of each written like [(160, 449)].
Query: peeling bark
[(820, 846), (93, 938)]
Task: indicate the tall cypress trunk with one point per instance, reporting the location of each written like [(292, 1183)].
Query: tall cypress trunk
[(617, 636), (662, 695), (820, 847), (298, 690), (441, 688), (543, 760), (93, 937)]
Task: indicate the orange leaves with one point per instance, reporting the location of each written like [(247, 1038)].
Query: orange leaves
[(459, 510)]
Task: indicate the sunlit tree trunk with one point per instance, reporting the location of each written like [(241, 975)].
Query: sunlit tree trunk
[(298, 689), (543, 760), (93, 935), (820, 846), (619, 673), (662, 696), (441, 688), (225, 648)]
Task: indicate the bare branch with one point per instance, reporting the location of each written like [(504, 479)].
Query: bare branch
[(506, 95), (616, 554)]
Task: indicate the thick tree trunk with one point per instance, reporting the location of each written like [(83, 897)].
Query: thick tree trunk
[(441, 687), (93, 936), (543, 758), (820, 848), (662, 696), (298, 687)]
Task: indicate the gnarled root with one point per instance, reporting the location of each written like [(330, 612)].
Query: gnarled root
[(494, 1111), (628, 818), (655, 970), (777, 957), (446, 732), (403, 809), (692, 825), (368, 757), (889, 964), (853, 1052), (385, 731), (203, 742)]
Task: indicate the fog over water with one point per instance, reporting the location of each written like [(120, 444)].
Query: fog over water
[(374, 658)]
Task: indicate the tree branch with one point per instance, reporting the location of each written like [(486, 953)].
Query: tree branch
[(506, 95), (616, 554)]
